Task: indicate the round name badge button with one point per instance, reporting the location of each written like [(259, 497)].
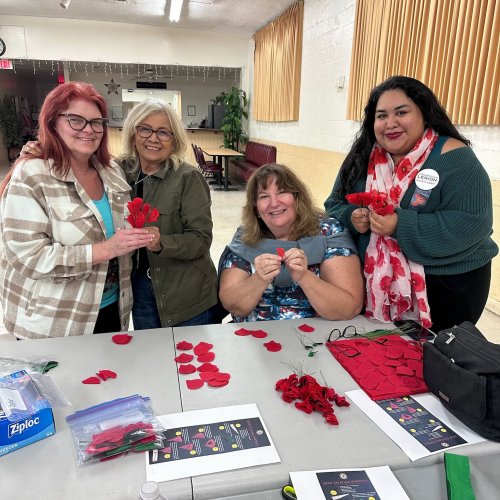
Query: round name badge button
[(427, 179)]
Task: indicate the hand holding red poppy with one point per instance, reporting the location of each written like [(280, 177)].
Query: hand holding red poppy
[(267, 267), (296, 262), (155, 245), (360, 219), (383, 225)]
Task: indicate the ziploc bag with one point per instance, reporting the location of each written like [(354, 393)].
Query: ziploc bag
[(19, 396), (115, 428)]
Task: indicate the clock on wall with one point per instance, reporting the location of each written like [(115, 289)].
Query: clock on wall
[(3, 47)]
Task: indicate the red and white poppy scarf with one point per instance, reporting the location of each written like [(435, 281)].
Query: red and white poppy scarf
[(395, 286)]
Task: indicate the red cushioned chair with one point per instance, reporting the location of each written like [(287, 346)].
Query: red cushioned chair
[(209, 169)]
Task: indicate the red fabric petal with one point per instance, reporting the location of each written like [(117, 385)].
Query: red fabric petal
[(280, 251), (194, 383), (207, 357), (186, 369), (404, 370), (222, 376), (412, 354), (91, 380), (258, 334), (184, 358), (242, 332), (272, 346), (306, 328), (208, 367), (105, 374), (206, 376), (202, 348), (121, 338), (218, 383), (184, 346)]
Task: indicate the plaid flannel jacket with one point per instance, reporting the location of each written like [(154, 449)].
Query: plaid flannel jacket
[(48, 285)]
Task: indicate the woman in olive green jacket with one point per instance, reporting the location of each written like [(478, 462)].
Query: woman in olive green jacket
[(174, 280)]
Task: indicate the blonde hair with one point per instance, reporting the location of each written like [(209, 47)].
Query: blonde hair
[(308, 215), (138, 114)]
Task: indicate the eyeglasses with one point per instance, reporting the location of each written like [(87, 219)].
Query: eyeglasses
[(163, 134), (348, 332), (77, 122)]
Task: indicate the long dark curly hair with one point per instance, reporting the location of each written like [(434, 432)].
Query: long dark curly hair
[(355, 165)]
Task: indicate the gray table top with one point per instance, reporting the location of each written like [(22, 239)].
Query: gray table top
[(48, 468), (304, 442), (146, 366)]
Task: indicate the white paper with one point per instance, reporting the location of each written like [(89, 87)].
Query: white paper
[(307, 485), (400, 436), (198, 465)]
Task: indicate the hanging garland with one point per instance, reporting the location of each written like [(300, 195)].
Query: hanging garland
[(122, 70)]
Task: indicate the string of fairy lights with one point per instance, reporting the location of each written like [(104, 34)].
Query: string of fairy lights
[(127, 70)]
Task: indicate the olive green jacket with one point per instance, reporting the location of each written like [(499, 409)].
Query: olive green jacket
[(183, 275)]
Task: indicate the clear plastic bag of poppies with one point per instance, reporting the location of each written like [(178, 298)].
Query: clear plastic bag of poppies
[(114, 429)]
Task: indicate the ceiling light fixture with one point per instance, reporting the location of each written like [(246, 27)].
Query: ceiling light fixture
[(64, 4), (175, 10)]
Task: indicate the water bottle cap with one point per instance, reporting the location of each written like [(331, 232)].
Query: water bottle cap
[(150, 491)]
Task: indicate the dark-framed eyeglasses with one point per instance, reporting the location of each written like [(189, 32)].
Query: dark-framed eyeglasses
[(163, 134), (77, 122), (347, 333)]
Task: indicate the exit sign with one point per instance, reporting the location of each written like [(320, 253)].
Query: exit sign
[(6, 64)]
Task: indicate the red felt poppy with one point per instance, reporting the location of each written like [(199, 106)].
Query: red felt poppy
[(206, 376), (306, 328), (217, 383), (207, 357), (272, 346), (91, 380), (184, 346), (141, 213), (280, 251), (258, 334), (186, 369), (184, 358), (202, 348), (242, 332), (121, 338), (105, 374), (208, 367), (194, 383)]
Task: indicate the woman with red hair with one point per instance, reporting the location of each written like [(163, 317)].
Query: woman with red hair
[(65, 265)]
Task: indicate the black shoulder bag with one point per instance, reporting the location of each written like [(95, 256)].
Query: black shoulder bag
[(462, 368)]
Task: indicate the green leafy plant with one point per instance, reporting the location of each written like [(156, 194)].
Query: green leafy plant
[(235, 102)]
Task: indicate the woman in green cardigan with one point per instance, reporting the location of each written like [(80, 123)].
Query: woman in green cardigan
[(424, 228)]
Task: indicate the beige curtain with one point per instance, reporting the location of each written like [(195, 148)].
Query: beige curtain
[(277, 65), (450, 45)]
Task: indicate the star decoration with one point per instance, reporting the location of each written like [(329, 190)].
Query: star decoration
[(112, 87)]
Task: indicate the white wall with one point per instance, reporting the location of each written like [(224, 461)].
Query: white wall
[(326, 54)]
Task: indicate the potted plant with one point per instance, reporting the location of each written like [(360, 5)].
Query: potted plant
[(11, 127), (235, 102)]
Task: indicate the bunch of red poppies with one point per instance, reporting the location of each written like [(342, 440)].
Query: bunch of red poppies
[(141, 213), (375, 200), (311, 396)]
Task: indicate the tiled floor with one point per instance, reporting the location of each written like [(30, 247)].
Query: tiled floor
[(226, 212)]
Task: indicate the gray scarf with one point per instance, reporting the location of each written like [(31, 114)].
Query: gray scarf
[(313, 246)]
